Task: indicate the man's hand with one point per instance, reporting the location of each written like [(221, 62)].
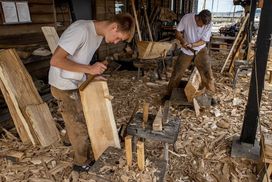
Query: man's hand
[(97, 68)]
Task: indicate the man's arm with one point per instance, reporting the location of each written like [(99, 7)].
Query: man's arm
[(60, 60)]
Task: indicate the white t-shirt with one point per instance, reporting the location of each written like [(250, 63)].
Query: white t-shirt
[(193, 33), (80, 41)]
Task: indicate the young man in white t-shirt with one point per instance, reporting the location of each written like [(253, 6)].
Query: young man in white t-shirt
[(69, 65), (193, 32)]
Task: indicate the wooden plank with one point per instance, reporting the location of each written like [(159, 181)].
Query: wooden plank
[(136, 20), (128, 148), (42, 18), (14, 155), (157, 124), (22, 29), (99, 117), (236, 54), (15, 116), (51, 37), (192, 88), (43, 124), (235, 42), (22, 93), (38, 9), (15, 109), (140, 155)]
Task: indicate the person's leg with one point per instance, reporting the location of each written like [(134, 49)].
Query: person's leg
[(71, 110), (203, 64), (180, 67)]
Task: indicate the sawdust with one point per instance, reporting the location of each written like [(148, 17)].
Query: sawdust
[(202, 149)]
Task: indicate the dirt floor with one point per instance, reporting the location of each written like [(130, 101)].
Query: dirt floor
[(203, 145)]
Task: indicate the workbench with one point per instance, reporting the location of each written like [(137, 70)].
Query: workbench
[(168, 135)]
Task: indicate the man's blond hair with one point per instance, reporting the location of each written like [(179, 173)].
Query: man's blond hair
[(125, 23)]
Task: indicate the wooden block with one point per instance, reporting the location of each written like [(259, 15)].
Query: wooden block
[(51, 37), (99, 117), (128, 147), (157, 124), (140, 155), (192, 88), (14, 156), (43, 124)]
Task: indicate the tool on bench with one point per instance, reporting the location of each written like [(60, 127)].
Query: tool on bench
[(108, 61)]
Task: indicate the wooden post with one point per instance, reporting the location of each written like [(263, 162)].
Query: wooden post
[(128, 147), (157, 124), (147, 23), (140, 155), (136, 20), (145, 113)]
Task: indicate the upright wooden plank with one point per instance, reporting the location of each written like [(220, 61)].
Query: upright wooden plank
[(157, 123), (22, 93), (51, 37), (140, 155), (45, 128), (192, 88), (99, 117), (15, 117), (128, 147), (19, 120)]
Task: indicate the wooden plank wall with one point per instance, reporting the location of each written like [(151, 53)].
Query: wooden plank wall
[(42, 14)]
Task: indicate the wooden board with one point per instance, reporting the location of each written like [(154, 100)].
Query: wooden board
[(21, 92), (152, 50), (43, 124), (51, 37), (192, 88), (99, 117)]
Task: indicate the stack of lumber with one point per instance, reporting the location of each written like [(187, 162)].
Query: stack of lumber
[(31, 116)]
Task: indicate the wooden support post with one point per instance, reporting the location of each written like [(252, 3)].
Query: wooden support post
[(140, 155), (145, 113), (157, 123), (128, 147)]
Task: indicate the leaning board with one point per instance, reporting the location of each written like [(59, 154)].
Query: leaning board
[(99, 117)]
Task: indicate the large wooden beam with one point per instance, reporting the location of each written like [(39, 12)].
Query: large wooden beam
[(51, 37), (152, 50), (99, 117)]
